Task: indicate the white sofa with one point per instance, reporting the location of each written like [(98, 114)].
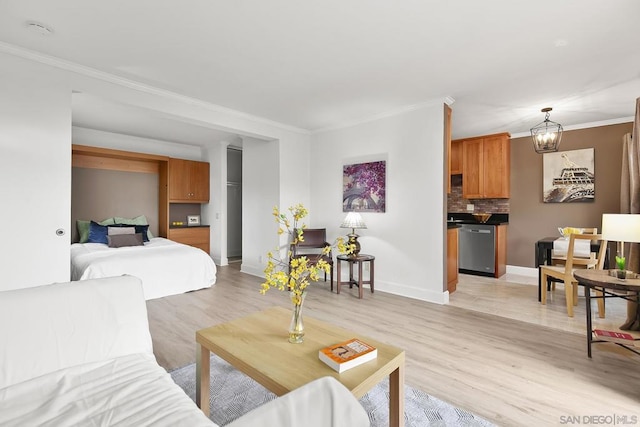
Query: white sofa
[(80, 353)]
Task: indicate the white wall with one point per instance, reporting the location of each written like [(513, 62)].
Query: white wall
[(35, 174), (407, 240), (214, 212), (261, 192)]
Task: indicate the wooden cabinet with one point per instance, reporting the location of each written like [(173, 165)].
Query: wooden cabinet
[(452, 259), (192, 236), (456, 157), (447, 141), (188, 181), (486, 167), (501, 250)]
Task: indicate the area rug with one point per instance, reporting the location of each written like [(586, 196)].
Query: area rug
[(234, 394)]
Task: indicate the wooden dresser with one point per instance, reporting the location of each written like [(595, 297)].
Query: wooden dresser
[(197, 236)]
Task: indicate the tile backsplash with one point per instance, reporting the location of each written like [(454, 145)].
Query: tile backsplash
[(456, 203)]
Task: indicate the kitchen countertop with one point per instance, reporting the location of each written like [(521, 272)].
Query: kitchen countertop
[(467, 218)]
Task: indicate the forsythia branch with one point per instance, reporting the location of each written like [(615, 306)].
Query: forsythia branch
[(295, 275)]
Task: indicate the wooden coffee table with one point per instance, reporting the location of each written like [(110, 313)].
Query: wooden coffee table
[(257, 346)]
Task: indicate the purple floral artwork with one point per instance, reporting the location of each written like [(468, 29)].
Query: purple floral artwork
[(364, 187)]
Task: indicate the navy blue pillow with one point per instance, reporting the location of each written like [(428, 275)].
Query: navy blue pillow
[(142, 229), (97, 233)]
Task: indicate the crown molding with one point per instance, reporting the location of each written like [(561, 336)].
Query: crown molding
[(396, 112), (141, 87), (583, 126)]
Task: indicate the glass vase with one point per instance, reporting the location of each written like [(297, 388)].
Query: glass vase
[(296, 328)]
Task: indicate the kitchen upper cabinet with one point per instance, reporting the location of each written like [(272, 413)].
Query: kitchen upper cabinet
[(188, 181), (456, 157), (486, 167)]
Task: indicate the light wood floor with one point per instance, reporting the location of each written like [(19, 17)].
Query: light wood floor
[(494, 350)]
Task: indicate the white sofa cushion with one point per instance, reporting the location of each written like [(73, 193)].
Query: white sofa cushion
[(320, 403), (80, 353), (52, 327), (130, 390)]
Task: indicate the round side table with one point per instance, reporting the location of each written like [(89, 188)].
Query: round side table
[(359, 259), (607, 286)]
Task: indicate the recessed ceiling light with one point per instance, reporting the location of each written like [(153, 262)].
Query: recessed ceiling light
[(39, 28), (560, 43)]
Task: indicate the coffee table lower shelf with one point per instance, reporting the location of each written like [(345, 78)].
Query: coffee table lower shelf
[(257, 346)]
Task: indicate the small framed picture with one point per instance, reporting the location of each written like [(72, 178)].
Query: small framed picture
[(193, 219)]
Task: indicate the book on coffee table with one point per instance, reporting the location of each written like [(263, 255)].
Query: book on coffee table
[(617, 337), (347, 354)]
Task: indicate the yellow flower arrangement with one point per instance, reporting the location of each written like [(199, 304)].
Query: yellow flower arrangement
[(295, 276)]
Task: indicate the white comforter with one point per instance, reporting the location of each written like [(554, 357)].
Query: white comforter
[(127, 391), (164, 266)]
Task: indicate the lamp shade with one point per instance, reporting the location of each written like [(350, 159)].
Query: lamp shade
[(621, 227), (353, 220)]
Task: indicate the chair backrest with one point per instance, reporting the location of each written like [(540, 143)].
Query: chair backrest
[(313, 238), (580, 260), (599, 260)]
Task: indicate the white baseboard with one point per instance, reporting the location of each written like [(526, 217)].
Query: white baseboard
[(254, 270), (411, 292), (522, 271), (220, 261)]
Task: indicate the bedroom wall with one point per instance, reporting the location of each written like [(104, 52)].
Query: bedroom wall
[(98, 194), (407, 240)]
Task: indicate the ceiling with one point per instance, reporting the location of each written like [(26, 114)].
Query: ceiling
[(317, 65)]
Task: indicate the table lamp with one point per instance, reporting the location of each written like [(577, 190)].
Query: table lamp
[(353, 221), (621, 228)]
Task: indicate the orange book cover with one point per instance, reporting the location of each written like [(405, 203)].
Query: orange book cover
[(347, 354)]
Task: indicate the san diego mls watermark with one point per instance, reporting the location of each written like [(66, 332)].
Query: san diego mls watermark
[(601, 420)]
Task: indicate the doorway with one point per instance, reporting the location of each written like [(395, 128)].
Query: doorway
[(234, 204)]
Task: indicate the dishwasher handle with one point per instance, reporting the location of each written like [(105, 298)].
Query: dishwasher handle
[(473, 230)]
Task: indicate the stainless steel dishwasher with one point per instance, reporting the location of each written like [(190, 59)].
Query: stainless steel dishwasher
[(477, 247)]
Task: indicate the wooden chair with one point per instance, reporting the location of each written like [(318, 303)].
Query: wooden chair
[(315, 239), (578, 262), (565, 273)]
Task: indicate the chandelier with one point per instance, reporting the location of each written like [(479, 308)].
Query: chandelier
[(546, 135)]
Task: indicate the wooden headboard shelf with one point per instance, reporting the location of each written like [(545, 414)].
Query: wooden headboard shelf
[(83, 156)]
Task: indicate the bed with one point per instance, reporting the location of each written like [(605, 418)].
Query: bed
[(164, 266)]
